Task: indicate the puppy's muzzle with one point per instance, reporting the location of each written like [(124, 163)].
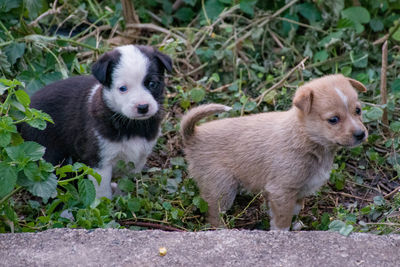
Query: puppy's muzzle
[(359, 135), (143, 108)]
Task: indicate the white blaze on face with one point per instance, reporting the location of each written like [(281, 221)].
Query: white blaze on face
[(343, 97), (345, 102), (130, 72)]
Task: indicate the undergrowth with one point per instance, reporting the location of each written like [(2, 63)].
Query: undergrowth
[(251, 55)]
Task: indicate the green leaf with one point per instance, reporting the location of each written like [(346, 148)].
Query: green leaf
[(35, 7), (310, 12), (250, 106), (134, 204), (6, 124), (126, 185), (175, 214), (336, 225), (72, 190), (331, 39), (5, 65), (29, 150), (37, 123), (32, 80), (23, 97), (346, 230), (379, 201), (8, 178), (396, 34), (184, 14), (32, 172), (396, 86), (62, 171), (17, 105), (201, 204), (14, 51), (87, 192), (247, 6), (360, 60), (214, 78), (44, 189), (41, 115), (374, 113), (190, 2), (376, 25), (5, 138), (321, 56), (395, 126), (172, 186), (45, 166), (213, 8), (345, 23), (346, 71), (7, 5), (167, 205), (10, 213), (357, 14), (178, 161), (197, 94), (287, 26)]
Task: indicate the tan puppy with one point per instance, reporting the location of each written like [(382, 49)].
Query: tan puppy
[(286, 155)]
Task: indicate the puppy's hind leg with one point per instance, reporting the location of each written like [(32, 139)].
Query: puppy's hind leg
[(219, 191)]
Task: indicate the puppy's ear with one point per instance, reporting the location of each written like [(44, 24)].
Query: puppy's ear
[(303, 99), (165, 60), (356, 84), (103, 68)]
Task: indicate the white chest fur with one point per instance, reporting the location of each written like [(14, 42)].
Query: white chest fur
[(318, 177), (315, 182), (133, 150)]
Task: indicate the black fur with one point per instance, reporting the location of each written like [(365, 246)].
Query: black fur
[(103, 68), (73, 133)]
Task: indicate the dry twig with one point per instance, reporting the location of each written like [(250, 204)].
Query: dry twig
[(396, 190), (262, 24), (52, 11), (129, 12), (388, 35), (385, 120), (150, 26)]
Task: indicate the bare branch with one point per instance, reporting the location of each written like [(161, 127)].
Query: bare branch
[(385, 120)]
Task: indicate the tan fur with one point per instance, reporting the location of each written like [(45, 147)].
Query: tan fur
[(286, 155)]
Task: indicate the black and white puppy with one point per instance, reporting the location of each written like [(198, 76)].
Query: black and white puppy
[(114, 114)]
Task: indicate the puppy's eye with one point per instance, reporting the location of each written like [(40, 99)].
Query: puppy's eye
[(152, 85), (334, 120), (358, 111), (123, 89)]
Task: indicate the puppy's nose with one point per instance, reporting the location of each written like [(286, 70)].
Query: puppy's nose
[(143, 108), (359, 135)]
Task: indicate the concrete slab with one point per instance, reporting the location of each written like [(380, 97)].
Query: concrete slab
[(112, 247)]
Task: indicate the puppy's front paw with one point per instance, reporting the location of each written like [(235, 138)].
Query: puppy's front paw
[(116, 191), (297, 225), (274, 227)]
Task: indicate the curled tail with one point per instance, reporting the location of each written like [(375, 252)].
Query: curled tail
[(189, 120)]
